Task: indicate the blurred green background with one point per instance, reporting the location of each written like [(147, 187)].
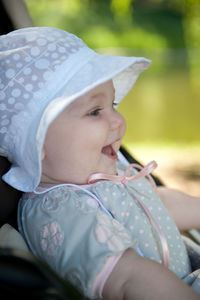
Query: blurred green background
[(163, 107)]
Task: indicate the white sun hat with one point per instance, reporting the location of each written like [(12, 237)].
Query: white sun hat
[(42, 70)]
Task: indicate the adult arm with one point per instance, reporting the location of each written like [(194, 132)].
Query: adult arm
[(137, 278), (184, 208)]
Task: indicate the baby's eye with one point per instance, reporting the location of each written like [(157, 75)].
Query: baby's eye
[(95, 112)]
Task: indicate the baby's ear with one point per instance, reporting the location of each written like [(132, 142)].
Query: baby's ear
[(43, 154)]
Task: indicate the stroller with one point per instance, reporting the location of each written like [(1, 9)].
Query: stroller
[(24, 275)]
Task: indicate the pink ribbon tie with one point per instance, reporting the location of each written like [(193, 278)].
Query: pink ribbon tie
[(144, 171)]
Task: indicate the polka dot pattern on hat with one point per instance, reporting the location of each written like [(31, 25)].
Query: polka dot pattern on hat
[(28, 66)]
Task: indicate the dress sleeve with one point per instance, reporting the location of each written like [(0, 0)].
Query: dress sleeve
[(73, 235)]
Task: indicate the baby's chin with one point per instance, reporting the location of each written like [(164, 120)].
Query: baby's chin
[(113, 169), (103, 174), (110, 170)]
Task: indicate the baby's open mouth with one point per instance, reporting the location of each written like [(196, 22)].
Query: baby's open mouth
[(109, 151)]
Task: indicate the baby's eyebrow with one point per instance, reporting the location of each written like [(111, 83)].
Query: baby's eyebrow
[(97, 95)]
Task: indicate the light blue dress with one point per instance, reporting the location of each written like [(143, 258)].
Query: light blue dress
[(76, 231)]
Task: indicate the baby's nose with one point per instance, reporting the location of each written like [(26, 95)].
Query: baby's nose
[(117, 121)]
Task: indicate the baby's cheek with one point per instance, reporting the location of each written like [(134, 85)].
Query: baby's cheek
[(99, 134)]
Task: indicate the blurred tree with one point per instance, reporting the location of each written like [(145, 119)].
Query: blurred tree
[(192, 37), (121, 8), (188, 12)]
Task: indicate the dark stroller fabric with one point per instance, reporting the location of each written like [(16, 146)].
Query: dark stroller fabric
[(9, 198), (25, 277)]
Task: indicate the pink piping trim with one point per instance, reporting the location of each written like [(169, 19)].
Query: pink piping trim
[(101, 278)]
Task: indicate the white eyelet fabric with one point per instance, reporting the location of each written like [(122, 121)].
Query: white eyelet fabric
[(42, 70)]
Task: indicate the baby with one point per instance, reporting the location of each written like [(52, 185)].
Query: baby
[(97, 224)]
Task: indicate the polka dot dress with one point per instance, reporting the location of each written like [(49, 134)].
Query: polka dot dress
[(128, 212)]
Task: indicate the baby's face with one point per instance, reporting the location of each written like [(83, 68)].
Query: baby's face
[(84, 138)]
